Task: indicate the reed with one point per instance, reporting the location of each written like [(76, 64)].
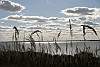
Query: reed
[(46, 56), (39, 59)]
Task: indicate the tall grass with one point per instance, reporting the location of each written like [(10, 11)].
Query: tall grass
[(48, 55), (39, 59)]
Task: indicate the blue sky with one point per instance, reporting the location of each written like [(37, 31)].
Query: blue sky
[(46, 14), (50, 7)]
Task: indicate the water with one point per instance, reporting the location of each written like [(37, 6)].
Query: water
[(49, 47)]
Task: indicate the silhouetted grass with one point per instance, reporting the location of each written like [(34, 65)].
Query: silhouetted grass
[(39, 59), (15, 55)]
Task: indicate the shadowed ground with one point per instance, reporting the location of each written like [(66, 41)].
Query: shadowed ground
[(39, 59)]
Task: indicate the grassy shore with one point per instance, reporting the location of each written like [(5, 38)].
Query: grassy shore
[(39, 59), (15, 54)]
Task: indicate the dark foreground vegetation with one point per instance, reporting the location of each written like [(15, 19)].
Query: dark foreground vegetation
[(15, 54), (39, 59)]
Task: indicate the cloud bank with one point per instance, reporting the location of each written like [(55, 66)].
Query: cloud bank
[(26, 18), (81, 15), (10, 6), (79, 11), (49, 23)]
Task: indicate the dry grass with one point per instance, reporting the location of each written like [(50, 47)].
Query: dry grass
[(39, 59), (15, 54)]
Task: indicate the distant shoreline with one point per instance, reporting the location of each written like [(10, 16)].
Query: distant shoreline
[(50, 41)]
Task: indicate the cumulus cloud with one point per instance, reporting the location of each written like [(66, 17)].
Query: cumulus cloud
[(41, 22), (4, 27), (35, 18), (78, 11), (26, 18), (10, 6), (37, 21)]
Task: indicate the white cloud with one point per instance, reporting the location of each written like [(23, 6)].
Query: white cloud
[(26, 18), (41, 22), (79, 11), (4, 27), (45, 24), (10, 6), (37, 21)]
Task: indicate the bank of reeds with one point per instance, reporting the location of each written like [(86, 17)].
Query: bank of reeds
[(16, 54), (39, 59)]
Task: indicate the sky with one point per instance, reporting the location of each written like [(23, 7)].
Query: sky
[(48, 15), (49, 7)]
